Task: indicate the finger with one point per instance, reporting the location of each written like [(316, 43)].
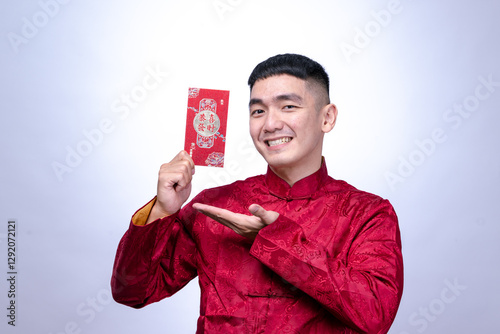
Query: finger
[(184, 157), (210, 210), (223, 216), (255, 209), (181, 183), (267, 217), (176, 180), (174, 174), (182, 163)]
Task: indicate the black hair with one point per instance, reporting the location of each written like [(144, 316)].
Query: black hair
[(295, 65)]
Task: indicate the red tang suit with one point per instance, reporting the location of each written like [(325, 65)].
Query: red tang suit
[(331, 262)]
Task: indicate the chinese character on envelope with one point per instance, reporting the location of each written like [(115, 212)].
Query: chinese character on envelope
[(206, 126)]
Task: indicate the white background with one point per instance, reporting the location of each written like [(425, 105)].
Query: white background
[(398, 70)]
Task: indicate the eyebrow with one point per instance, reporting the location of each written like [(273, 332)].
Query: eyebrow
[(283, 97)]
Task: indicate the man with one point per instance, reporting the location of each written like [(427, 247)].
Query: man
[(291, 251)]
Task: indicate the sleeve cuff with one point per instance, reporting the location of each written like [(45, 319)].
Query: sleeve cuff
[(141, 216)]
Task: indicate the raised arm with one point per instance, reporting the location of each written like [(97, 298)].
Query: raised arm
[(156, 257)]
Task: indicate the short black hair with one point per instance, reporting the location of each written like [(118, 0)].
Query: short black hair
[(292, 64)]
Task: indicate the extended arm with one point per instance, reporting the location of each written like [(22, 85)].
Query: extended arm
[(358, 277), (360, 286)]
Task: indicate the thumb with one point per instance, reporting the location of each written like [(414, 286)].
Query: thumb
[(267, 217)]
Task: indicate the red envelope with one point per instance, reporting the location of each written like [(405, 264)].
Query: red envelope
[(206, 126)]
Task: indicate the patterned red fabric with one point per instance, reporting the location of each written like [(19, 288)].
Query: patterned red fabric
[(331, 262)]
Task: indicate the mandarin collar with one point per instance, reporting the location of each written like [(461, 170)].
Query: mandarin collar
[(304, 188)]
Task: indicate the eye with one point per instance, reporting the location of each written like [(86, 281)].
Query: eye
[(256, 112), (289, 107)]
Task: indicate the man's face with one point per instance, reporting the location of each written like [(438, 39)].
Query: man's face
[(285, 125)]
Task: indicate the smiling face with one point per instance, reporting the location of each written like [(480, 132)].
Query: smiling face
[(288, 119)]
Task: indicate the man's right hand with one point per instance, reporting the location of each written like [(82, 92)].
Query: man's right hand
[(174, 186)]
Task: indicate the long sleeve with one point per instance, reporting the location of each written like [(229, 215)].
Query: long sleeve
[(357, 276), (331, 262), (152, 261)]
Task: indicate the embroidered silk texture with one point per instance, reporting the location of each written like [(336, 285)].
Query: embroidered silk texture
[(331, 262)]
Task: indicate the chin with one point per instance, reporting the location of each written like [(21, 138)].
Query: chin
[(279, 161), (286, 157)]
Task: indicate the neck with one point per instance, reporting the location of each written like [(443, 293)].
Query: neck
[(293, 174)]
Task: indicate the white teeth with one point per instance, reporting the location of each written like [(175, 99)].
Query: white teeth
[(279, 141)]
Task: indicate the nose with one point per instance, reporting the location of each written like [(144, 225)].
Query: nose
[(273, 121)]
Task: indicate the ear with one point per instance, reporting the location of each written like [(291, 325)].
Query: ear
[(329, 114)]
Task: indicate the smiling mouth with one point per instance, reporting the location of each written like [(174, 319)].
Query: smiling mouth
[(283, 140)]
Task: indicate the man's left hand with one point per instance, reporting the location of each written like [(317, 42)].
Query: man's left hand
[(245, 225)]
